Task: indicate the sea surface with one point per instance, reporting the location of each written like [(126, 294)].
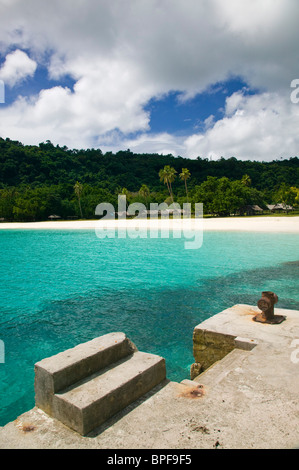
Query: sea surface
[(61, 288)]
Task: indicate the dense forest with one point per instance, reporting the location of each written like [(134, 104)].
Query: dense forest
[(39, 181)]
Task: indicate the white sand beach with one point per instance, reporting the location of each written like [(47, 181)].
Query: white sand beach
[(252, 224)]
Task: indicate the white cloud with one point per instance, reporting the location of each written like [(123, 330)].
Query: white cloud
[(161, 143), (17, 67), (107, 96), (260, 127), (121, 54)]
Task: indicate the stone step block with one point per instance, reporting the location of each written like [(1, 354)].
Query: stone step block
[(220, 369), (89, 403), (56, 373)]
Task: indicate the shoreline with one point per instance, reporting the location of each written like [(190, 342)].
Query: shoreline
[(254, 224)]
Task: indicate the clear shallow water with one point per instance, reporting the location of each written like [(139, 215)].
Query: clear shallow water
[(60, 288)]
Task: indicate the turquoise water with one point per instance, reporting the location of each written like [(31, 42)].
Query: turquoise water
[(60, 288)]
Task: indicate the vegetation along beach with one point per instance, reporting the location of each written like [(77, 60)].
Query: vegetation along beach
[(149, 181)]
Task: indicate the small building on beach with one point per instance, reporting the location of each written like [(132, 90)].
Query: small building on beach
[(279, 207)]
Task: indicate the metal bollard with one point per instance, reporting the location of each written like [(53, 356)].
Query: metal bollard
[(266, 304)]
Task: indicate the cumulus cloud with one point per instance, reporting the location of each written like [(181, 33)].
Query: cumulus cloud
[(260, 127), (106, 97), (160, 143), (17, 67), (122, 54)]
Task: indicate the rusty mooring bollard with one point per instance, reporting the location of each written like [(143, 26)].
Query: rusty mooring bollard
[(266, 304)]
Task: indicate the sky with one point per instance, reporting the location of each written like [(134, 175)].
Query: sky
[(208, 78)]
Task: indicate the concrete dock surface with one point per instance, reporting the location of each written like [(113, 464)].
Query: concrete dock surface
[(246, 400)]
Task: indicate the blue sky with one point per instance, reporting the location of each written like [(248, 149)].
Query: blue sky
[(191, 78), (181, 117), (169, 113), (31, 86)]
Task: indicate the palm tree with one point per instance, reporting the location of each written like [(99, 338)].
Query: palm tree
[(144, 192), (167, 175), (246, 180), (184, 176), (78, 187), (126, 192)]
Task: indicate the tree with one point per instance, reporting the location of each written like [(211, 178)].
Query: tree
[(24, 169), (296, 192), (167, 175), (29, 205), (7, 199), (224, 197), (78, 187), (144, 192), (246, 180), (184, 176), (285, 195), (126, 192), (205, 193)]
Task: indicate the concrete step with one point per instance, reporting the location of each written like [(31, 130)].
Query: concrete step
[(55, 373), (90, 402), (220, 369)]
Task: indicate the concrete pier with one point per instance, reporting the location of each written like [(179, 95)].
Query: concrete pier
[(245, 398)]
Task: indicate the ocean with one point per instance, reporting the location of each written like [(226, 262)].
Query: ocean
[(60, 288)]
